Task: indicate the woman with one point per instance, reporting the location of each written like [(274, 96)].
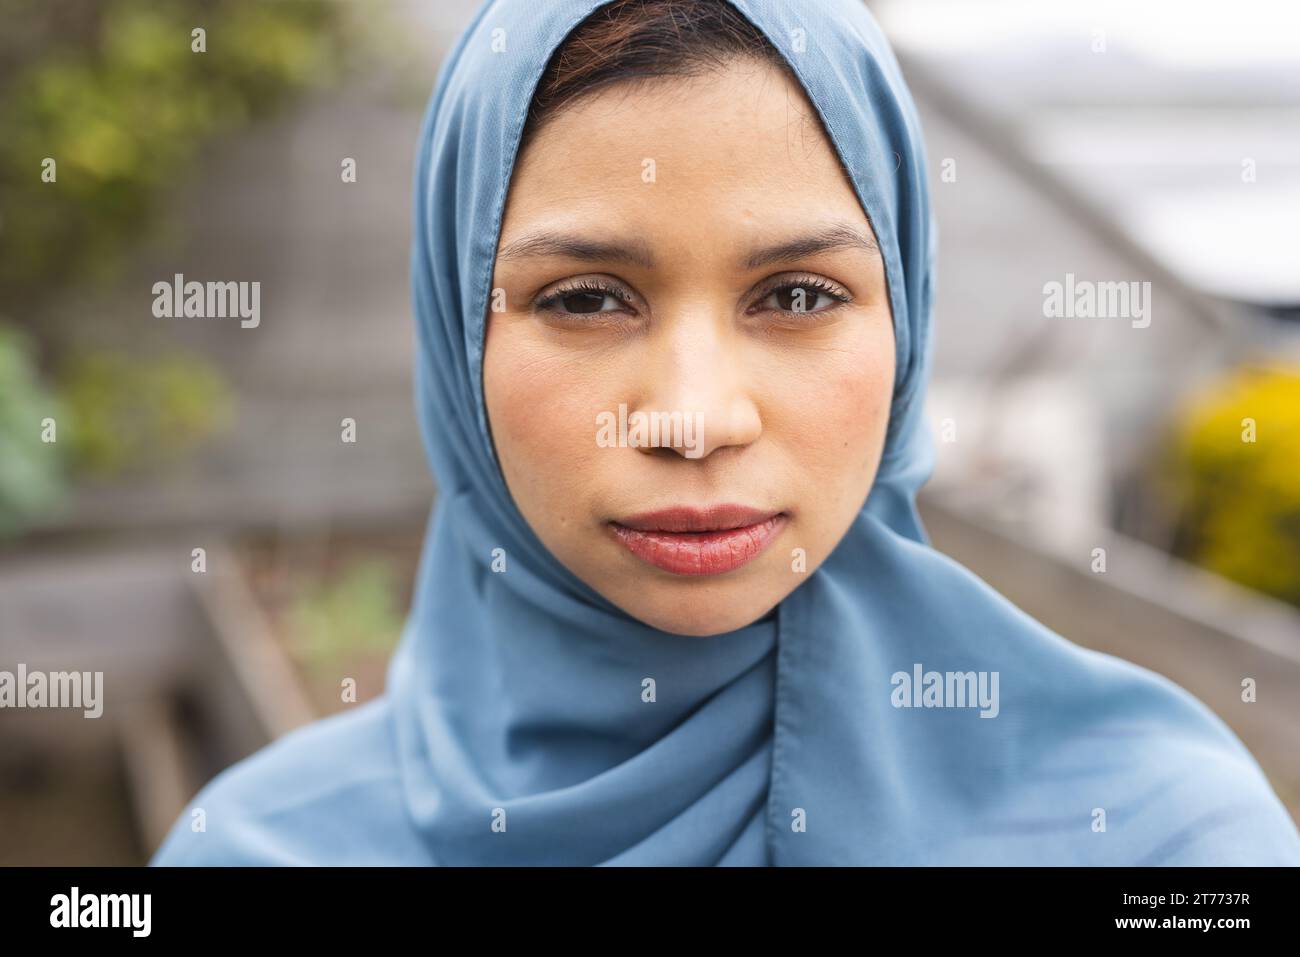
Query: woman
[(672, 275)]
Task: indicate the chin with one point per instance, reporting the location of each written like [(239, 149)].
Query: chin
[(701, 616)]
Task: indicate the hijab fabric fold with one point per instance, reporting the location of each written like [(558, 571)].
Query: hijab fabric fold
[(514, 730)]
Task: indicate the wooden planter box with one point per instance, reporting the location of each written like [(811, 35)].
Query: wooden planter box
[(193, 681)]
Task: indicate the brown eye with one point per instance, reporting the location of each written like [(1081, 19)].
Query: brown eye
[(798, 298), (803, 296), (585, 298), (584, 301)]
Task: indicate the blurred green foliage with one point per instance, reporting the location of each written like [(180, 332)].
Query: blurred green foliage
[(1240, 500), (140, 412), (31, 470), (359, 613), (114, 94)]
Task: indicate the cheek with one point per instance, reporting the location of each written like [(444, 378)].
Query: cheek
[(542, 408), (840, 414)]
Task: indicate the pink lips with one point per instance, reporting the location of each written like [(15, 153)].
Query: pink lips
[(693, 541)]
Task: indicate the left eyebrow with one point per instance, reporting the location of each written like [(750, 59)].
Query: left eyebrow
[(830, 237)]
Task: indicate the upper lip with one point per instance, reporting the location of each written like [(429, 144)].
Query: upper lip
[(685, 518)]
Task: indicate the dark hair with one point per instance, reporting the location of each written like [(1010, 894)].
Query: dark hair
[(637, 40)]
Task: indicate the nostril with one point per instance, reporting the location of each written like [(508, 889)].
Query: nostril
[(673, 433)]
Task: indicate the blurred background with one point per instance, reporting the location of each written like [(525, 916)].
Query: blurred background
[(179, 511)]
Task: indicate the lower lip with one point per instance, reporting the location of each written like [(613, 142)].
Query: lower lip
[(700, 553)]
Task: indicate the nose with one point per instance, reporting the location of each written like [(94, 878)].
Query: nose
[(695, 382)]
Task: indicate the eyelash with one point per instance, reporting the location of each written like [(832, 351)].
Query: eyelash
[(809, 282), (547, 303)]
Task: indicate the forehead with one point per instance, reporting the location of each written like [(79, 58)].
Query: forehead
[(739, 143)]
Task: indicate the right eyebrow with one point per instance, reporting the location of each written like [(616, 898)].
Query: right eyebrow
[(578, 247)]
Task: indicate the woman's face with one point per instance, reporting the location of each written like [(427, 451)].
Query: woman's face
[(690, 351)]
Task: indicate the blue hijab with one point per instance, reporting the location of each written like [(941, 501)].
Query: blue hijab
[(513, 730)]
